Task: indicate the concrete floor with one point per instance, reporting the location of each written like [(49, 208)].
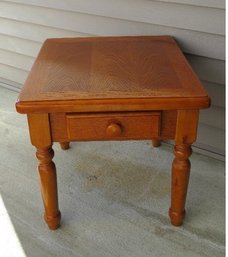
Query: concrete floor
[(113, 196)]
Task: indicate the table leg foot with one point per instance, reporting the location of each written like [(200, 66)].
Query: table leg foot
[(156, 142), (53, 222), (48, 184), (64, 145), (180, 177), (176, 218)]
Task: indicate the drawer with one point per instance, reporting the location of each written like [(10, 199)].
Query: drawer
[(113, 126)]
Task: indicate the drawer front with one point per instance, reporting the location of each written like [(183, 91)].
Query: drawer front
[(113, 126)]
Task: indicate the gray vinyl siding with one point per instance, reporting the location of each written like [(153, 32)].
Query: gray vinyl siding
[(206, 3), (197, 25)]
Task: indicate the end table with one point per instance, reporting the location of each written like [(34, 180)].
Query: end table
[(112, 88)]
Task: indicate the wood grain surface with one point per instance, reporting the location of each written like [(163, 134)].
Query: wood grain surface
[(113, 126), (109, 71), (58, 124)]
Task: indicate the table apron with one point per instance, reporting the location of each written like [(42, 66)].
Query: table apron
[(91, 127)]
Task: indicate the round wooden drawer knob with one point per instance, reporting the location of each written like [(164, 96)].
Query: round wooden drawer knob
[(114, 130)]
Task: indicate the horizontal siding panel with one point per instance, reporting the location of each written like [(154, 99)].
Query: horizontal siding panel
[(16, 60), (19, 46), (13, 74), (196, 43), (202, 44), (211, 138), (208, 69), (214, 117), (25, 30), (9, 84), (166, 14), (216, 93), (206, 3)]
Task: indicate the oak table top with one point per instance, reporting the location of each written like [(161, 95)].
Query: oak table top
[(109, 72), (112, 88)]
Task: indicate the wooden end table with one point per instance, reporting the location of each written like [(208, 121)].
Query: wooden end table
[(112, 88)]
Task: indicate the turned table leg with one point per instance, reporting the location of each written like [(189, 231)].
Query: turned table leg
[(64, 145), (186, 131), (48, 185), (156, 142), (180, 177), (40, 136)]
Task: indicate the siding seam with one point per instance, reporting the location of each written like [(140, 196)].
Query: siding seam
[(199, 5), (157, 1), (14, 67)]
